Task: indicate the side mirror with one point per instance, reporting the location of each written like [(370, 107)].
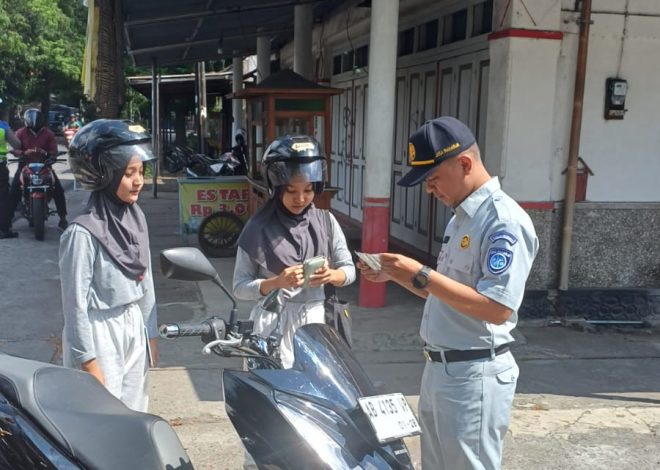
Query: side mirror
[(186, 264), (272, 302)]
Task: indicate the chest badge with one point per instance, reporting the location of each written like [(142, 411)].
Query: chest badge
[(465, 242)]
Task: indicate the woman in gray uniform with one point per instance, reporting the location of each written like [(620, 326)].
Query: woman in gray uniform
[(108, 297), (284, 233)]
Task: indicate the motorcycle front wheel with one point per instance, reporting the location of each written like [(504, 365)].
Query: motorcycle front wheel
[(39, 217), (218, 234)]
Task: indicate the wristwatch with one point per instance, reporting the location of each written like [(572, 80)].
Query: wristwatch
[(421, 279)]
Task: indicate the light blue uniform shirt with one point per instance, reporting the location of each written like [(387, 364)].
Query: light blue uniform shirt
[(489, 245)]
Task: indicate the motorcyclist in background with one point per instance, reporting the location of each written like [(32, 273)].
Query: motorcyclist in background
[(36, 143), (240, 152), (6, 136), (74, 122)]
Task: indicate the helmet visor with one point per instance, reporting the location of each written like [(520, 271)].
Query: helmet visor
[(280, 173), (118, 158), (32, 119)]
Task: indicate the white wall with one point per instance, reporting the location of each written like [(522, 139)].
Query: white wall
[(521, 98), (624, 155), (521, 105)]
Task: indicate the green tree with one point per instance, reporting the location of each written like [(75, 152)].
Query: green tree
[(41, 50)]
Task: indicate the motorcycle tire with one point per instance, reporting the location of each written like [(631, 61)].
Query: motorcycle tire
[(39, 218), (218, 234)]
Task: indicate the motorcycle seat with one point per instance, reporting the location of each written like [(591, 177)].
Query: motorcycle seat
[(84, 419)]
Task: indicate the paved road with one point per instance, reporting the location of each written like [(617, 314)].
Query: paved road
[(585, 400)]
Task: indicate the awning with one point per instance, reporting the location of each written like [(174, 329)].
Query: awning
[(217, 83), (180, 32)]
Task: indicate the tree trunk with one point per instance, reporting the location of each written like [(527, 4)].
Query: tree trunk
[(109, 72)]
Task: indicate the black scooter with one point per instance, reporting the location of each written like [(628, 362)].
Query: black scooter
[(55, 418), (323, 413)]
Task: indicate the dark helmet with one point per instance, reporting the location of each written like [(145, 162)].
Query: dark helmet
[(33, 119), (103, 146), (240, 136), (288, 156)]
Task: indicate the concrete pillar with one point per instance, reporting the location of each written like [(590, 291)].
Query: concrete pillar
[(522, 96), (237, 81), (379, 142), (155, 123), (200, 99), (263, 58), (302, 41)]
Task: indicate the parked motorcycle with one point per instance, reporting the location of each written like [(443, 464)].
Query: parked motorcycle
[(55, 418), (178, 157), (37, 188), (323, 413)]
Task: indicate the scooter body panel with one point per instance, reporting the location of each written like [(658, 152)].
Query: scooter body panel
[(308, 416)]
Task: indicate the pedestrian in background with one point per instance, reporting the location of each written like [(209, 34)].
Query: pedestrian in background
[(110, 326), (472, 299)]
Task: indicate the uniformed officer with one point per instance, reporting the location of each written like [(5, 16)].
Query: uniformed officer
[(6, 136), (472, 298)]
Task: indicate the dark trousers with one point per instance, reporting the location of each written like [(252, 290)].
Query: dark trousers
[(15, 194), (5, 217)]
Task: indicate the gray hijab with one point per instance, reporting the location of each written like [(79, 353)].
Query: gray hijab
[(120, 228), (276, 239)]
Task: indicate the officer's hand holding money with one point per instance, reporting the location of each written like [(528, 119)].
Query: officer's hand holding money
[(372, 275), (399, 267)]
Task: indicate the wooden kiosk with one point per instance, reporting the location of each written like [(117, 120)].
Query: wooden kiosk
[(286, 103)]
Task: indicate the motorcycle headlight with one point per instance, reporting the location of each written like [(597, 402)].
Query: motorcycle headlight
[(316, 425), (36, 179)]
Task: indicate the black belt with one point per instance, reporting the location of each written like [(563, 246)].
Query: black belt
[(455, 355)]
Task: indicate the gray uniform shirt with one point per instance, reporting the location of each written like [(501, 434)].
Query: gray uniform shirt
[(489, 245), (248, 275), (91, 281)]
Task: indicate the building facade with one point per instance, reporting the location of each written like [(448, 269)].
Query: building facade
[(507, 68)]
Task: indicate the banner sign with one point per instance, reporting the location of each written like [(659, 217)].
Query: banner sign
[(200, 197)]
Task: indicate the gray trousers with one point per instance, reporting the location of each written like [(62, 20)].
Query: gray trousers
[(464, 410), (121, 353)]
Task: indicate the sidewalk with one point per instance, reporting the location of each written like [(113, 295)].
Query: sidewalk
[(585, 400)]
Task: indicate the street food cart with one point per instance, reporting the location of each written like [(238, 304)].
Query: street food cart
[(286, 103), (216, 208)]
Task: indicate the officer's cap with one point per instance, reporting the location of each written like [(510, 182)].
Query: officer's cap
[(434, 142)]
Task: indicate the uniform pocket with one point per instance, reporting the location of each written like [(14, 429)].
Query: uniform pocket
[(509, 376), (461, 261)]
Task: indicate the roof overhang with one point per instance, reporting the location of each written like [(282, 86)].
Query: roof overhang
[(183, 32), (217, 83)]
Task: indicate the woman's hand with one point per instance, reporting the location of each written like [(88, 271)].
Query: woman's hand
[(290, 277), (325, 275), (155, 354), (93, 368)]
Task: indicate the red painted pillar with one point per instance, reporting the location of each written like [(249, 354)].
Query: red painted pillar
[(379, 143), (375, 236)]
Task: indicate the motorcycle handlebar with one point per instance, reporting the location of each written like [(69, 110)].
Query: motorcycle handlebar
[(177, 330)]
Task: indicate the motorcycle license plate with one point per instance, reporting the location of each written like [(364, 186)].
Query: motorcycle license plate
[(390, 416)]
